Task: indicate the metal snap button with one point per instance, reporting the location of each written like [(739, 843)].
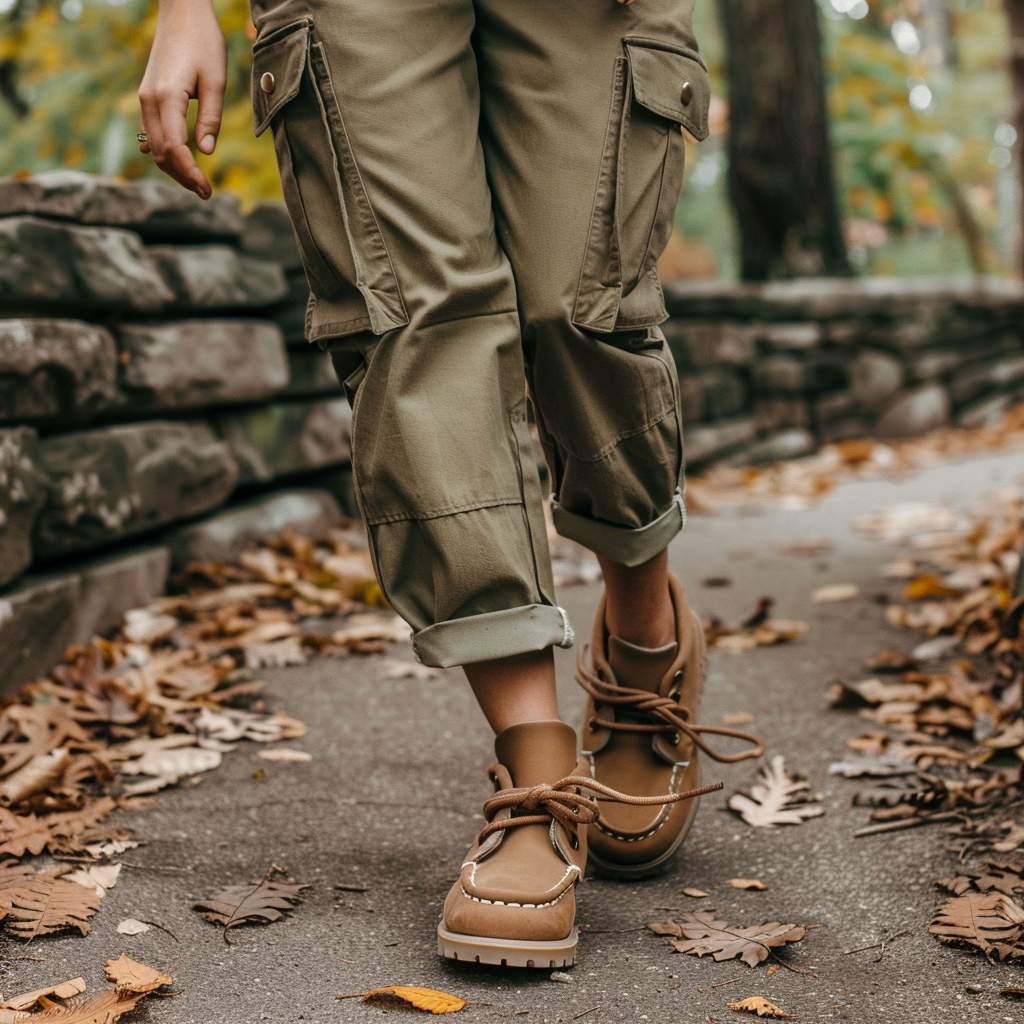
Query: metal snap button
[(686, 94), (267, 82)]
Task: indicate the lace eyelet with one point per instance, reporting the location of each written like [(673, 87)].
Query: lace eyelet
[(676, 739), (592, 724)]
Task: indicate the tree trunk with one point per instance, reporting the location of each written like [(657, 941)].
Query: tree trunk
[(780, 160), (1015, 16)]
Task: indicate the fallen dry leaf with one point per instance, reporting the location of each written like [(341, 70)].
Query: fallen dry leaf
[(99, 877), (284, 754), (761, 1006), (392, 668), (102, 1008), (129, 975), (741, 718), (427, 999), (699, 934), (65, 990), (991, 922), (131, 926), (835, 592), (776, 798), (247, 904), (42, 906), (697, 894), (747, 883)]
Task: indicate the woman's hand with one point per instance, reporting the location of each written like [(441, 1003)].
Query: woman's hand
[(188, 61)]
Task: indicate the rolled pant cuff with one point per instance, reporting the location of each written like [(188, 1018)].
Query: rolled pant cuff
[(490, 635), (618, 543)]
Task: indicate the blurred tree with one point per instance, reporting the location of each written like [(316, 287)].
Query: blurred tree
[(780, 161), (1015, 16)]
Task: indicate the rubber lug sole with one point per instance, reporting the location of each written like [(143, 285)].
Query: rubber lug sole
[(507, 952)]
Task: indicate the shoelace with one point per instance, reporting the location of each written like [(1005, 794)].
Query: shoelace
[(559, 801), (674, 718)]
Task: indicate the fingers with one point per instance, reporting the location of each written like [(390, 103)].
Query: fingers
[(164, 114), (211, 106)]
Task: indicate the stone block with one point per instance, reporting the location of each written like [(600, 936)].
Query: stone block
[(22, 494), (985, 412), (706, 441), (789, 374), (37, 624), (287, 437), (215, 277), (54, 267), (691, 398), (773, 414), (113, 585), (223, 536), (713, 300), (194, 363), (157, 210), (709, 344), (117, 482), (845, 429), (789, 337), (292, 322), (55, 370), (268, 235), (874, 376), (834, 406), (971, 382), (311, 373), (786, 444), (914, 412)]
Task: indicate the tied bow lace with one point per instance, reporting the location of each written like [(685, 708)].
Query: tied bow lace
[(664, 714), (563, 802)]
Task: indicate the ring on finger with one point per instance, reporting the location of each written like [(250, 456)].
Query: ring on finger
[(142, 137)]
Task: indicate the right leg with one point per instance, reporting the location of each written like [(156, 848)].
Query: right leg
[(375, 110)]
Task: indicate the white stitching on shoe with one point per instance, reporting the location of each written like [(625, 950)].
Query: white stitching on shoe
[(659, 822), (572, 868), (502, 903)]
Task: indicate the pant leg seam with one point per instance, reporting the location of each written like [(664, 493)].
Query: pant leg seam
[(439, 513)]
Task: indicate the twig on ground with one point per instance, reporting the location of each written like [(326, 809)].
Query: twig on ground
[(896, 826)]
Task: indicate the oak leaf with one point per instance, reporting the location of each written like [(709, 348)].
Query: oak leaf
[(776, 798), (41, 906), (22, 834), (990, 921), (427, 999), (761, 1006), (700, 934), (245, 904), (129, 975)]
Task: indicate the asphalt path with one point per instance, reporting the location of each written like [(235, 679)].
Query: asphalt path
[(392, 798)]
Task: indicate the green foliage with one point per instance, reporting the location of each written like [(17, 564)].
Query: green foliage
[(69, 75)]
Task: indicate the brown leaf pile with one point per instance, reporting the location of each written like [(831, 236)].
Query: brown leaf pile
[(68, 1004), (800, 483), (699, 934), (949, 738), (161, 702)]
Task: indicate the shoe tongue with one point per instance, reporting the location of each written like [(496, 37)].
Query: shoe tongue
[(537, 752), (641, 668)]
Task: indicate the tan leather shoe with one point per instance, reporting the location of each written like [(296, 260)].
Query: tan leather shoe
[(515, 901), (640, 735)]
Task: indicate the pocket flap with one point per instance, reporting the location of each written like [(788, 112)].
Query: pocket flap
[(672, 84), (277, 67)]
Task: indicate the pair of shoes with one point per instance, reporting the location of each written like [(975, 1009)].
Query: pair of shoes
[(515, 902)]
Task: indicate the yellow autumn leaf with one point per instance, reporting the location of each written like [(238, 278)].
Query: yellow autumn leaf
[(130, 976), (928, 585), (761, 1006), (427, 999)]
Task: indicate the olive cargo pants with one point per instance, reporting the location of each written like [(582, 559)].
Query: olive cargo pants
[(480, 190)]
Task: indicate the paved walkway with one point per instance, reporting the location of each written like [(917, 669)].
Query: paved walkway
[(391, 800)]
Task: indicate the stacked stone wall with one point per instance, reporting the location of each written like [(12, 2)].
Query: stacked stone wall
[(158, 401)]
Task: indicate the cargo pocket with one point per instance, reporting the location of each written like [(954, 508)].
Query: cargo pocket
[(351, 277), (657, 89)]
